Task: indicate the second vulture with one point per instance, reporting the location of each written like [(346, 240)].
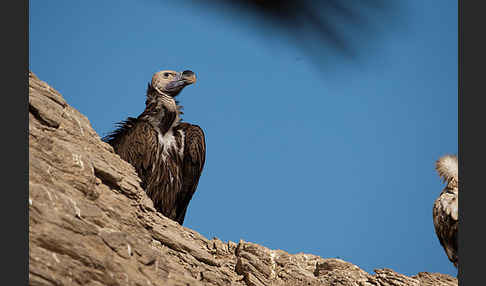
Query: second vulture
[(446, 207)]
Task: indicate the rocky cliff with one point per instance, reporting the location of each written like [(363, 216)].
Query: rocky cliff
[(90, 223)]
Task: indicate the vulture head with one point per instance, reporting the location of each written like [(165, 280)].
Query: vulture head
[(165, 86), (161, 107), (171, 82)]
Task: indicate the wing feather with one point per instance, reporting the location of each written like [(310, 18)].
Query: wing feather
[(446, 223), (135, 141), (193, 163)]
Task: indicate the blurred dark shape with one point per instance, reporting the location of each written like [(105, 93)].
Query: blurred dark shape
[(339, 26)]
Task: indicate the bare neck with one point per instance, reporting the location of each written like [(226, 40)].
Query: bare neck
[(161, 111)]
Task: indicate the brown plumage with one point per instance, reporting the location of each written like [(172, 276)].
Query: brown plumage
[(446, 212), (167, 154)]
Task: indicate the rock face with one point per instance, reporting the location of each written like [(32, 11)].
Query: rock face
[(90, 223)]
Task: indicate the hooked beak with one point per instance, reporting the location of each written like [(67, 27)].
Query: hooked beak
[(182, 79), (189, 77)]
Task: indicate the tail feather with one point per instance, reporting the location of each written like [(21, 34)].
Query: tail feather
[(447, 167)]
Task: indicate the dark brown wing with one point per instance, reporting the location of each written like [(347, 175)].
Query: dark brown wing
[(135, 141), (121, 130), (193, 163), (445, 214)]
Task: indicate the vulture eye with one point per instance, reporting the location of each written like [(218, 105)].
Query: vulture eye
[(166, 74)]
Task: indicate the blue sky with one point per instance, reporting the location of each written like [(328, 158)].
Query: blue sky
[(330, 155)]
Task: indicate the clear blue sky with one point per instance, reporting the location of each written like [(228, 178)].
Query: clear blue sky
[(337, 162)]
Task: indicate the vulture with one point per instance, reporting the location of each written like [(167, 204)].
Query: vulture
[(167, 154), (445, 211)]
